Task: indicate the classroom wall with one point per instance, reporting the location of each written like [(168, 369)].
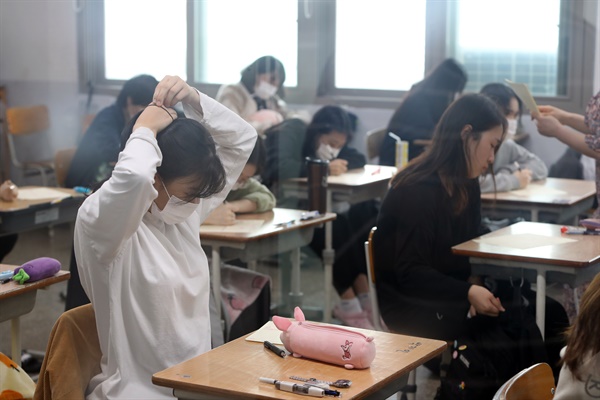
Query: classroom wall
[(38, 65)]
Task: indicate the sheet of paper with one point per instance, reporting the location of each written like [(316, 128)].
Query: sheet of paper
[(524, 94), (523, 241), (267, 332), (538, 190), (41, 194), (240, 226)]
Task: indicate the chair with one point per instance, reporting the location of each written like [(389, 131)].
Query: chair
[(410, 390), (533, 383), (374, 140), (62, 162), (23, 121), (72, 356)]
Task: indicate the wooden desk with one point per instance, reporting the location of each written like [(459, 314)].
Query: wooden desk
[(556, 257), (232, 371), (355, 186), (563, 199), (23, 215), (267, 240), (17, 300)]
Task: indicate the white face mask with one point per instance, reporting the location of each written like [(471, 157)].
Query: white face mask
[(265, 90), (175, 211), (511, 131), (326, 153)]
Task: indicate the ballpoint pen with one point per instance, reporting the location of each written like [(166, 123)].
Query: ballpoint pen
[(285, 224), (274, 349), (295, 388)]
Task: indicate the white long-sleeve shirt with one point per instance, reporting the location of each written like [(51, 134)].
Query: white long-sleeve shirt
[(149, 281), (569, 388)]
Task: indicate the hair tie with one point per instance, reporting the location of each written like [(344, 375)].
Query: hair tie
[(164, 108)]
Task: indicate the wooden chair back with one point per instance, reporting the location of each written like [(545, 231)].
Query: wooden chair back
[(533, 383), (374, 140), (62, 162), (26, 120)]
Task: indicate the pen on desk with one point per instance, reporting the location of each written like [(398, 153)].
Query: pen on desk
[(578, 231), (274, 349), (295, 388), (285, 224), (376, 171)]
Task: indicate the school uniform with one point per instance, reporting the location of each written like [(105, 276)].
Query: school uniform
[(149, 281), (510, 158), (570, 388), (422, 287)]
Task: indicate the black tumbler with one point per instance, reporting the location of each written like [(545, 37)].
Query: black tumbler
[(318, 170)]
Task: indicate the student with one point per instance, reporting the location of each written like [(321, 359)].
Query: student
[(585, 138), (327, 137), (100, 145), (433, 204), (8, 192), (248, 195), (580, 374), (137, 238), (258, 96), (422, 108), (514, 166)]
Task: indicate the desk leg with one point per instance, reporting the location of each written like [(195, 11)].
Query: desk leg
[(15, 340), (216, 277), (296, 293), (534, 215), (540, 306)]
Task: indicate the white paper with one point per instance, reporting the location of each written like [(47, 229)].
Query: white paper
[(41, 194), (240, 226), (524, 94), (523, 241), (268, 332)]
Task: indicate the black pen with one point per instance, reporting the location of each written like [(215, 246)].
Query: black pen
[(274, 349)]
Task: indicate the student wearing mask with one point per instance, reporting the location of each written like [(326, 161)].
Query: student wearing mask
[(514, 166), (421, 109), (137, 238), (258, 96)]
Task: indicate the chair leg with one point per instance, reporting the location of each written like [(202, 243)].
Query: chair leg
[(409, 392)]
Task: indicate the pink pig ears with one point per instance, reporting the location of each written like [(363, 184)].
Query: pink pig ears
[(281, 323), (298, 314)]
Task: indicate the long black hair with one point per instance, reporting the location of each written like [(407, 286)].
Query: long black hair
[(264, 65), (327, 119)]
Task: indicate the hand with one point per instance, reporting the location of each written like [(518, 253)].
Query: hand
[(548, 125), (172, 90), (524, 177), (8, 191), (155, 118), (551, 111), (338, 167), (222, 215), (483, 302)]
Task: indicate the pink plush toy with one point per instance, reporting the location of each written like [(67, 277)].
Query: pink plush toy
[(332, 344)]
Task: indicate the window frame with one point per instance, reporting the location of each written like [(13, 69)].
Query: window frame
[(316, 41)]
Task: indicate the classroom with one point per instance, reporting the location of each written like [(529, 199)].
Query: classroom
[(321, 79)]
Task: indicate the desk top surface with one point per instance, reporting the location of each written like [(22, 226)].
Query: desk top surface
[(534, 242), (548, 191), (269, 227), (13, 288), (19, 204), (233, 370), (367, 175)]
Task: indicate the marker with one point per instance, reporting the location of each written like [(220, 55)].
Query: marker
[(285, 224), (295, 388), (274, 349), (579, 231)]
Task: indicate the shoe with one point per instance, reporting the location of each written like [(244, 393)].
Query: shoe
[(356, 320)]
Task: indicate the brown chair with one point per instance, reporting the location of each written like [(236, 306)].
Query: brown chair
[(533, 383), (62, 162), (72, 356), (374, 139), (25, 121)]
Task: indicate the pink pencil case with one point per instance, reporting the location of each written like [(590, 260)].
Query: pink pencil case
[(327, 343)]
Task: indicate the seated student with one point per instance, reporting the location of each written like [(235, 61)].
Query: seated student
[(580, 374), (248, 194), (137, 238), (258, 96), (514, 166), (327, 137), (8, 192), (421, 109)]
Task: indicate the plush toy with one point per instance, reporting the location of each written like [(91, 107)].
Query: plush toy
[(15, 384), (34, 270), (328, 343)]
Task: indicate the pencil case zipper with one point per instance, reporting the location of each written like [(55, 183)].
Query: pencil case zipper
[(332, 329)]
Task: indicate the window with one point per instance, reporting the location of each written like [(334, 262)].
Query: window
[(345, 51)]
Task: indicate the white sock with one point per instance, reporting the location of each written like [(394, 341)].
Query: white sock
[(350, 306), (365, 300)]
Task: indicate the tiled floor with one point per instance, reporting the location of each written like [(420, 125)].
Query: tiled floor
[(56, 243)]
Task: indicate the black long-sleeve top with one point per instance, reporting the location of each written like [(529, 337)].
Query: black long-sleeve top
[(418, 278)]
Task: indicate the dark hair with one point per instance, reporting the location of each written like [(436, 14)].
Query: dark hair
[(502, 95), (326, 120), (583, 339), (188, 152), (263, 65), (140, 89), (448, 156), (258, 156)]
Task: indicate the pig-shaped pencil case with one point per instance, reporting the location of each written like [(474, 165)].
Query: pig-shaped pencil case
[(328, 343)]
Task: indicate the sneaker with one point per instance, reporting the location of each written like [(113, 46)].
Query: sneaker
[(357, 320)]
